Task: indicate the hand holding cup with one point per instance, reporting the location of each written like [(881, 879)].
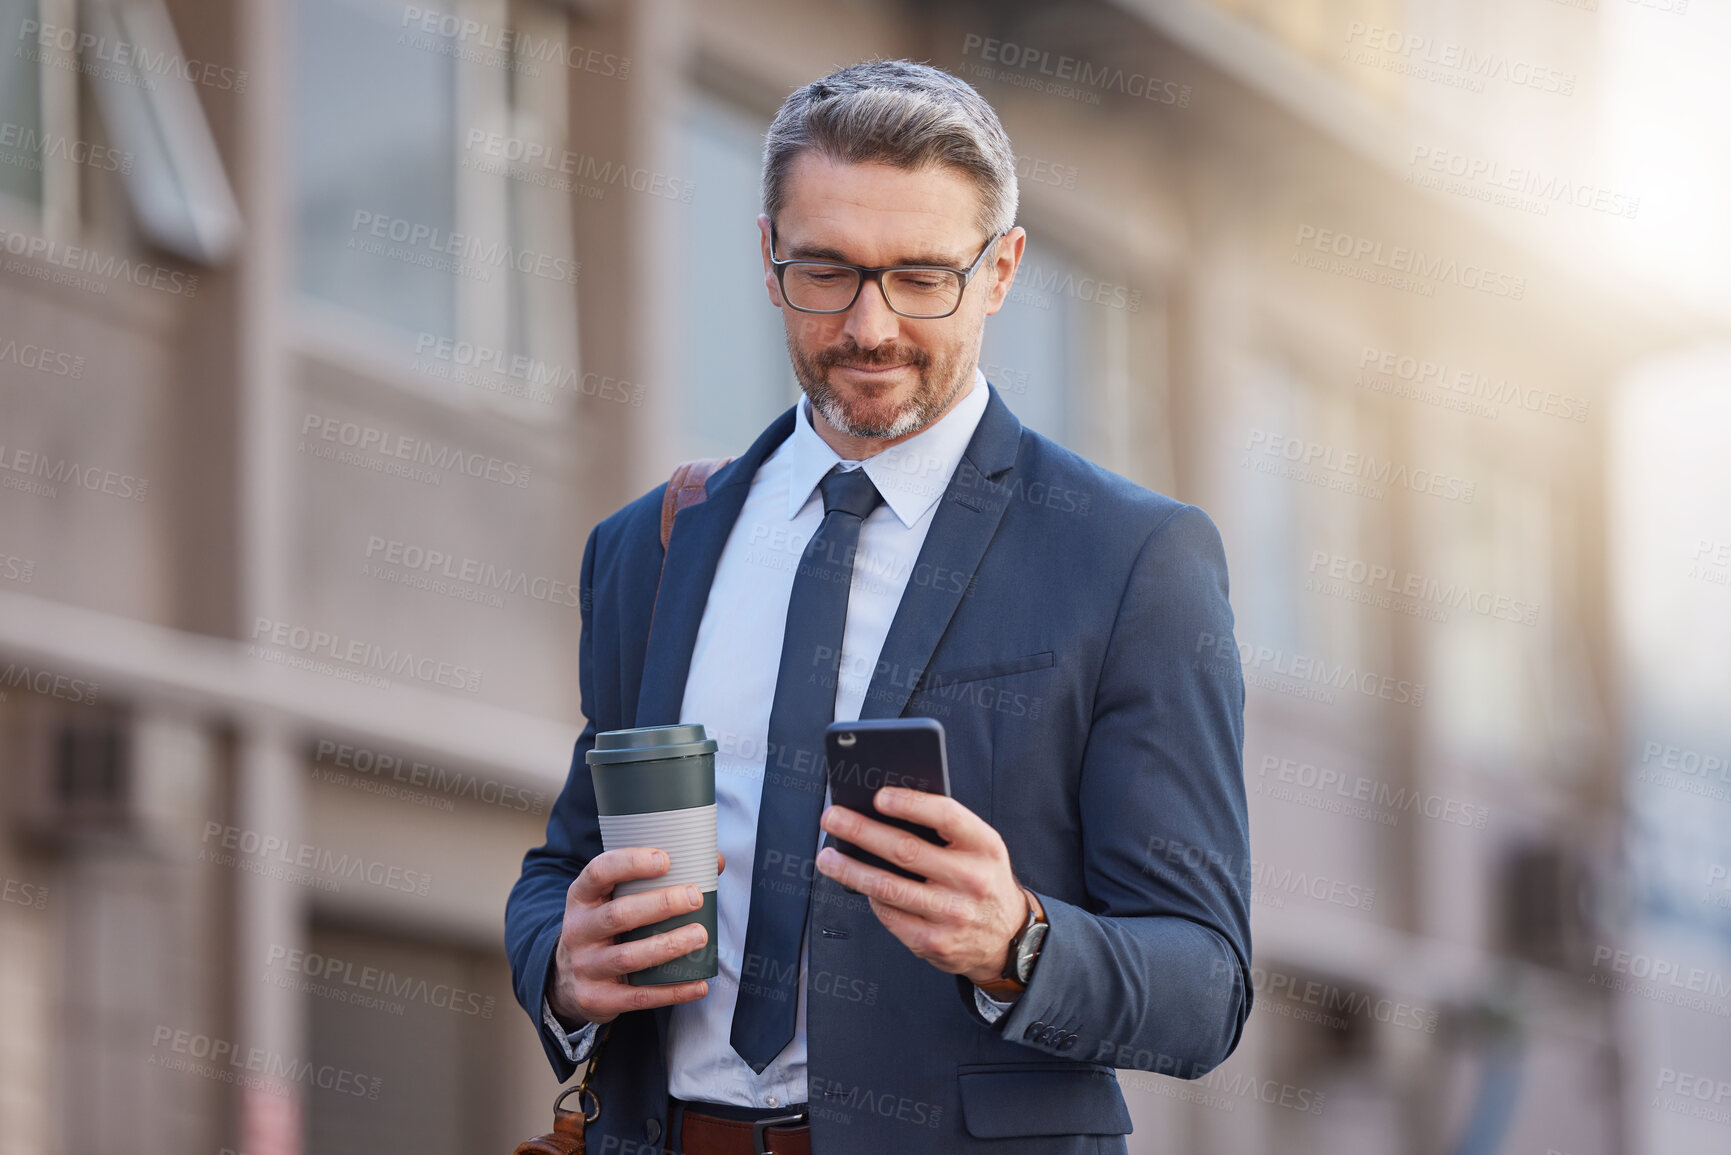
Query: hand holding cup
[(589, 966)]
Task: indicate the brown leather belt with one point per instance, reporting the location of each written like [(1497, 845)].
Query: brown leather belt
[(703, 1134)]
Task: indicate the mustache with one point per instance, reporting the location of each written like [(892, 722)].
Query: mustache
[(851, 354)]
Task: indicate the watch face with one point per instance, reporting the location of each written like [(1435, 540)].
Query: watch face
[(1028, 950)]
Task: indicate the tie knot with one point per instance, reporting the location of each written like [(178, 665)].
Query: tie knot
[(851, 491)]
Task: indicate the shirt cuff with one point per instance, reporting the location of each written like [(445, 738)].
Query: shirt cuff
[(576, 1044), (990, 1007)]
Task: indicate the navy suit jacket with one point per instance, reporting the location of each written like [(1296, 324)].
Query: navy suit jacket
[(1064, 625)]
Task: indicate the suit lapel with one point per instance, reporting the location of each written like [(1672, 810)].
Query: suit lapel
[(699, 534), (967, 517), (963, 526)]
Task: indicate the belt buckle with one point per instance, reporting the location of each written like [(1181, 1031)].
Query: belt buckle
[(760, 1141)]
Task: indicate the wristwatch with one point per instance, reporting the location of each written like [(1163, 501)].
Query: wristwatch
[(1024, 950)]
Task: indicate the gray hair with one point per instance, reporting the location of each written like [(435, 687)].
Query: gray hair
[(895, 112)]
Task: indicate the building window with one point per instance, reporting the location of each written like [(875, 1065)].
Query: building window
[(1036, 347), (20, 110), (419, 220), (734, 371)]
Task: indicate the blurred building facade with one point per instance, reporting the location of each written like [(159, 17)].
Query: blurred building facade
[(330, 327)]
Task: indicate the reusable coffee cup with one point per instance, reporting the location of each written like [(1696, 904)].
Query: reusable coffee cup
[(655, 786)]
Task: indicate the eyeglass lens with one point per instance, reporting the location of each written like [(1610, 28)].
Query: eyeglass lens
[(914, 292)]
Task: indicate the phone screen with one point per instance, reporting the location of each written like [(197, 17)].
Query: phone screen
[(865, 755)]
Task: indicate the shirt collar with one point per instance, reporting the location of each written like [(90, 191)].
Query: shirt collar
[(911, 475)]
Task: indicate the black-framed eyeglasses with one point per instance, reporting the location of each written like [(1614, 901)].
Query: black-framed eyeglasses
[(924, 292)]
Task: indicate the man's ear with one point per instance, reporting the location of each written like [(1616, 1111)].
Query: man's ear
[(1004, 264), (768, 272)]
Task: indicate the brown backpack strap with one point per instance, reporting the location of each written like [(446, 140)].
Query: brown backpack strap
[(685, 488)]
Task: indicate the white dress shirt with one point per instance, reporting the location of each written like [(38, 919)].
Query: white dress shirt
[(731, 687)]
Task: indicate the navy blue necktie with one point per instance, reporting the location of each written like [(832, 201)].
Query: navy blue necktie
[(793, 772)]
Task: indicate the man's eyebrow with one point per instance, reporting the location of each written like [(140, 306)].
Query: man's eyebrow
[(826, 253)]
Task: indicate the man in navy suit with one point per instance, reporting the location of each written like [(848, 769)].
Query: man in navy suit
[(1088, 906)]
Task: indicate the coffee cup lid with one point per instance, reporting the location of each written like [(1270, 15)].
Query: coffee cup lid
[(647, 743)]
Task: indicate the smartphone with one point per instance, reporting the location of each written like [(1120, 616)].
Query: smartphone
[(874, 752)]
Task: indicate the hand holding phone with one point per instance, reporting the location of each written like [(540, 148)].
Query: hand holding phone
[(865, 755)]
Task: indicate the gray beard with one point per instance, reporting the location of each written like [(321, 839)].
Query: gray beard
[(921, 410)]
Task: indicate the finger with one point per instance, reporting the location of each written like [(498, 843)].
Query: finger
[(913, 931), (920, 898), (616, 998), (634, 910), (893, 844), (720, 862), (628, 957), (955, 823), (611, 867)]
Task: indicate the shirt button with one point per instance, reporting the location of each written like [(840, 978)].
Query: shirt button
[(772, 1101)]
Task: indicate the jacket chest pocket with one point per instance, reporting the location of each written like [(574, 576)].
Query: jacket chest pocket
[(973, 701)]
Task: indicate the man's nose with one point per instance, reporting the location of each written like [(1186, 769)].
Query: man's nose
[(871, 321)]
